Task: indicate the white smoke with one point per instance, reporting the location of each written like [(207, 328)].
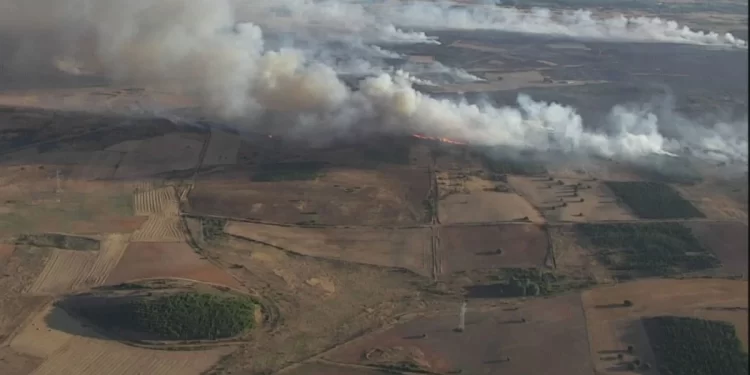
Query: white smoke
[(209, 49), (577, 24), (390, 20)]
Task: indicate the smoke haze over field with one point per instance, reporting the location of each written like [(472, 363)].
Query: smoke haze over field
[(217, 50)]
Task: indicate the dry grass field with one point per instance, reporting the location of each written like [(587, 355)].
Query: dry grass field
[(470, 199), (710, 200), (71, 270), (562, 202), (475, 247), (402, 248), (728, 240), (390, 196), (612, 327)]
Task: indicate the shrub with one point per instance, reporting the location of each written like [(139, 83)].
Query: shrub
[(182, 316), (532, 289)]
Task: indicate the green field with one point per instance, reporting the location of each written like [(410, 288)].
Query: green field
[(689, 346), (648, 249), (653, 200)]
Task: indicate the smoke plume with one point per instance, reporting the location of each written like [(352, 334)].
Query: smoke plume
[(216, 50)]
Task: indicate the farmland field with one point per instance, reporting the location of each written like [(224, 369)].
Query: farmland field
[(160, 229), (490, 337), (647, 249), (149, 158), (469, 199), (222, 149), (143, 260), (338, 197), (653, 200), (612, 327), (404, 248), (688, 345), (476, 247), (570, 198), (66, 270)]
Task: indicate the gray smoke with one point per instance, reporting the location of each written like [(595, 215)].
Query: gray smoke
[(210, 49)]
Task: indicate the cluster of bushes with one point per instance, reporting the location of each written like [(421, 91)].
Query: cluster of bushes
[(212, 228), (652, 249), (59, 241), (289, 171), (689, 346), (182, 316), (653, 200)]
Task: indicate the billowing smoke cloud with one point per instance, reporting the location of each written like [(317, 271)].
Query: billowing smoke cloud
[(210, 49), (578, 24), (395, 16)]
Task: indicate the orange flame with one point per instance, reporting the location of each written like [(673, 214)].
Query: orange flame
[(444, 140)]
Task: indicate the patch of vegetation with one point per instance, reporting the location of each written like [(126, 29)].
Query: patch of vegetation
[(648, 249), (526, 282), (397, 153), (289, 171), (182, 316), (690, 346), (653, 200), (503, 165), (212, 228), (429, 208), (60, 241), (400, 368)]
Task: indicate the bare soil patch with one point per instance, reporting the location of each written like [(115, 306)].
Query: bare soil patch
[(728, 240), (222, 148), (144, 260), (486, 247), (554, 326), (403, 248), (329, 369), (390, 196), (101, 165), (17, 273), (6, 250), (14, 363)]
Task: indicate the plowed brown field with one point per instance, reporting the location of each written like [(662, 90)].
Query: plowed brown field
[(145, 260), (466, 248)]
